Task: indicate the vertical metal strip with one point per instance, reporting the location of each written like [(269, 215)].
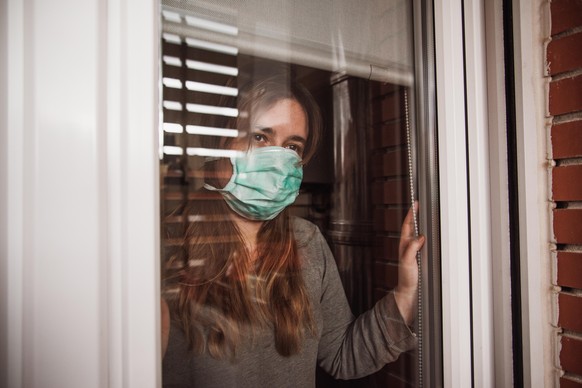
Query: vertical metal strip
[(416, 232)]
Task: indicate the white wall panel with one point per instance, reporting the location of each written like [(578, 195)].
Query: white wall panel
[(81, 263), (60, 243)]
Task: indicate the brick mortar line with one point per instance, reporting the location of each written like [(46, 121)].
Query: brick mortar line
[(563, 205), (570, 248), (386, 122), (388, 149), (567, 74), (571, 334), (568, 162), (572, 376), (391, 178), (568, 32), (566, 117), (397, 90), (571, 292), (393, 206), (387, 234)]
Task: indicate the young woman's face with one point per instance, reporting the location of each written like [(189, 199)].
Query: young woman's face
[(284, 125)]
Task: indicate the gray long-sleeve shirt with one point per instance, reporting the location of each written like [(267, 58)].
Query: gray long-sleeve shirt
[(345, 347)]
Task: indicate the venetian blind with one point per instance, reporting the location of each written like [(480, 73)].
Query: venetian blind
[(340, 36)]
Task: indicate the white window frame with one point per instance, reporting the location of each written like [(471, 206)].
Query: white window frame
[(487, 192), (470, 81), (124, 225)]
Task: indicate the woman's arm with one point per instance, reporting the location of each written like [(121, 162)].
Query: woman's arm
[(351, 348)]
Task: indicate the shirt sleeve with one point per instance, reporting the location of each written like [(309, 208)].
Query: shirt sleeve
[(352, 347)]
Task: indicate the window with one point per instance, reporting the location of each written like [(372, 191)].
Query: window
[(367, 67)]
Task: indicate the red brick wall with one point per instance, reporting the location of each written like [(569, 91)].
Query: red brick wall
[(564, 64)]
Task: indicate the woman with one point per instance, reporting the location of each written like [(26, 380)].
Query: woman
[(257, 299)]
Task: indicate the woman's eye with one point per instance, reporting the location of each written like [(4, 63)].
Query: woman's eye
[(258, 137), (295, 147)]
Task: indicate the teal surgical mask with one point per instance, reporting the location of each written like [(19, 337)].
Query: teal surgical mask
[(264, 181)]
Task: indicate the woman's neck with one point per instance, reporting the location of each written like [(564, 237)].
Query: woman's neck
[(249, 230)]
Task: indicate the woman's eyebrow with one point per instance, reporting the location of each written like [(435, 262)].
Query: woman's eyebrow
[(267, 130), (297, 138)]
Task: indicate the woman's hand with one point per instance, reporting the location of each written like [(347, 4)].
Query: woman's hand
[(406, 292)]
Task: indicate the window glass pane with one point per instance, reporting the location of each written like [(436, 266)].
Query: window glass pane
[(296, 135)]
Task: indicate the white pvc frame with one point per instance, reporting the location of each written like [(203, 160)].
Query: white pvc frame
[(133, 106), (456, 307), (500, 373), (122, 187), (479, 196), (472, 94), (486, 159)]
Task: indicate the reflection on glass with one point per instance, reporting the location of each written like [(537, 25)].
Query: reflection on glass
[(285, 186)]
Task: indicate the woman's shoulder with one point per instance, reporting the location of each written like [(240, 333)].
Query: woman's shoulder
[(304, 231), (315, 253)]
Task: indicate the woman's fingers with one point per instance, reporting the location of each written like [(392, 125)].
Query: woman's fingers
[(407, 231), (408, 267), (405, 293), (408, 224)]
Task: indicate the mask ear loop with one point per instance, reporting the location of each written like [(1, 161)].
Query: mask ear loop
[(416, 233)]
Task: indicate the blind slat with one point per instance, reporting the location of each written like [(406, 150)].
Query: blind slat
[(182, 73), (194, 97), (183, 51)]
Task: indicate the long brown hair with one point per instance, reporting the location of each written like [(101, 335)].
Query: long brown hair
[(216, 290)]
